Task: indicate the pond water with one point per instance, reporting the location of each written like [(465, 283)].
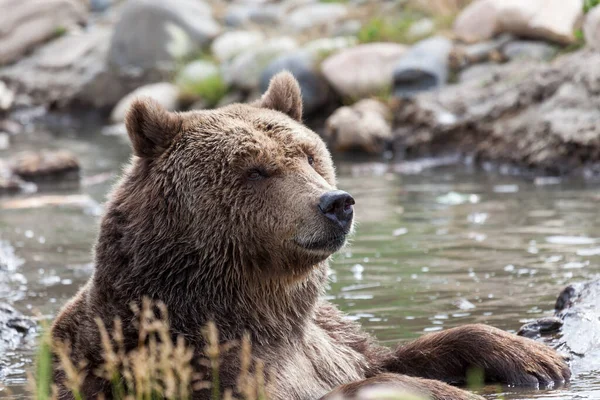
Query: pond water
[(433, 249)]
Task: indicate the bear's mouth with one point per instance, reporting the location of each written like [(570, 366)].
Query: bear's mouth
[(328, 245)]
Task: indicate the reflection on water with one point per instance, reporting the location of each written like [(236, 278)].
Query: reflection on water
[(439, 248)]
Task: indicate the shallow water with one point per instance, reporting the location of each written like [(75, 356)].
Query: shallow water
[(437, 249)]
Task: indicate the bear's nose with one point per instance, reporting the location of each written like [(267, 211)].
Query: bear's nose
[(337, 206)]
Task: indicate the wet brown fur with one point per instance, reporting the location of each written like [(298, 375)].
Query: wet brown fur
[(188, 225)]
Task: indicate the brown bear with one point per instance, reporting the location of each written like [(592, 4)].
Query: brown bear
[(230, 215)]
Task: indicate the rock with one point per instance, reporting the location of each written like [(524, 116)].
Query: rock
[(481, 72), (532, 114), (363, 70), (4, 141), (324, 47), (574, 328), (72, 69), (529, 50), (230, 44), (591, 28), (239, 15), (312, 16), (423, 67), (350, 27), (9, 182), (100, 5), (13, 327), (46, 166), (422, 28), (7, 97), (165, 93), (27, 23), (489, 50), (363, 126), (156, 32), (303, 65), (553, 20), (478, 21), (200, 82), (245, 70)]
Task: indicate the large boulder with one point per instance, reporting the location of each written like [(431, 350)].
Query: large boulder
[(303, 65), (46, 166), (532, 114), (160, 32), (364, 127), (423, 67), (554, 20), (73, 70), (27, 23), (245, 70), (363, 70)]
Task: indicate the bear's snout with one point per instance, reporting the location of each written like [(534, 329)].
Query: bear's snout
[(337, 205)]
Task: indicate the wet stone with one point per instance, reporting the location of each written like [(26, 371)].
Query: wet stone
[(541, 326), (58, 165)]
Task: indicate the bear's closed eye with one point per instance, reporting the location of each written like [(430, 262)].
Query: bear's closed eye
[(256, 174)]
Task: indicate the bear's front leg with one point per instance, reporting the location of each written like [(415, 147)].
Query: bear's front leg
[(421, 388), (501, 356)]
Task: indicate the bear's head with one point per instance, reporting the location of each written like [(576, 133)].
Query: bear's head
[(245, 192)]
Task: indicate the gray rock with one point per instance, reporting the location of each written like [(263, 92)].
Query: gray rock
[(574, 328), (245, 69), (165, 93), (156, 32), (364, 126), (423, 67), (230, 44), (303, 65), (240, 15), (315, 15), (529, 50), (14, 326), (533, 114), (347, 28), (422, 28), (28, 23), (591, 28), (100, 5), (489, 50), (68, 70), (363, 70)]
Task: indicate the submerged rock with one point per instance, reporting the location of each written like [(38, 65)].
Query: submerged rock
[(532, 114), (364, 126), (13, 327), (46, 166), (575, 327), (27, 23), (363, 70)]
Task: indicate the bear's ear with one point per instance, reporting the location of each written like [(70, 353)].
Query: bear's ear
[(151, 128), (284, 95)]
